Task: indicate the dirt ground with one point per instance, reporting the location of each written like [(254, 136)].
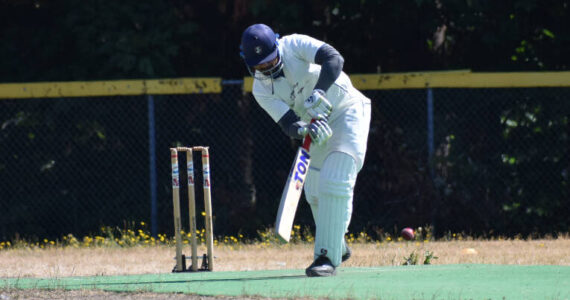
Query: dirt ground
[(62, 262)]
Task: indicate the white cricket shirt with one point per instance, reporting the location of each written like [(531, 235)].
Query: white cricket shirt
[(350, 118), (301, 73)]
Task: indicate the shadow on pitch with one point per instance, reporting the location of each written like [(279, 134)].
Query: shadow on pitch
[(135, 283)]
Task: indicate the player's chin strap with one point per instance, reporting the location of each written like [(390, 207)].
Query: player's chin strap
[(270, 74)]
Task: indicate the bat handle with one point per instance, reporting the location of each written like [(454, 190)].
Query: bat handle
[(307, 141)]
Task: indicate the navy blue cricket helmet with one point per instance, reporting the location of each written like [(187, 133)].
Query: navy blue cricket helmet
[(259, 45)]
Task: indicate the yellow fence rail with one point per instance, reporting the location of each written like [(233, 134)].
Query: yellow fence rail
[(110, 88), (453, 79), (411, 80)]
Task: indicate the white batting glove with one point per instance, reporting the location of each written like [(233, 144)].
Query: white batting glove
[(319, 131), (317, 106)]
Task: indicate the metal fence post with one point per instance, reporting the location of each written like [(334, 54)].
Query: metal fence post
[(152, 166), (430, 148), (430, 134)]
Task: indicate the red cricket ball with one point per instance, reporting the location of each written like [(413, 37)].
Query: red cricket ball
[(408, 233)]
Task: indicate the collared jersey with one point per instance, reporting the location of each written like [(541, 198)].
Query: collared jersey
[(277, 96)]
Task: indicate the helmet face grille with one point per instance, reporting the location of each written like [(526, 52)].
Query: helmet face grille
[(270, 73)]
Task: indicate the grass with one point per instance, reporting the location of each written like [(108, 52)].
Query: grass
[(117, 251)]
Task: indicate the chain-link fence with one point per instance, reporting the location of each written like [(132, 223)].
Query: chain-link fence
[(495, 162), (478, 160)]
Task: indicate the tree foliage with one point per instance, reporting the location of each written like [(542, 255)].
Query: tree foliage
[(95, 39)]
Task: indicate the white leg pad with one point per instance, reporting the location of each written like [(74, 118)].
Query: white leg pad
[(336, 185), (311, 189)]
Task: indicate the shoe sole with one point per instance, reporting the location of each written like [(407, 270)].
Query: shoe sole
[(311, 273)]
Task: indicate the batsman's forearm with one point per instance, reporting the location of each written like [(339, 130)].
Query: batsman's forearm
[(290, 124), (331, 65)]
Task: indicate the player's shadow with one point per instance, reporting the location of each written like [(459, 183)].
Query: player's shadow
[(100, 284)]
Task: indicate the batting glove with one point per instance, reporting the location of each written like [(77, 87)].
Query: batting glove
[(317, 106), (319, 131)]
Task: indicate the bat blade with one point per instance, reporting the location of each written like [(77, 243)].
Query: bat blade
[(292, 194)]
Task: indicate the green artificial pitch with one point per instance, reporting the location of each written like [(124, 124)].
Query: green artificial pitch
[(397, 282)]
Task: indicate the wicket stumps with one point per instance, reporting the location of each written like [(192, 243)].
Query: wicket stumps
[(207, 259)]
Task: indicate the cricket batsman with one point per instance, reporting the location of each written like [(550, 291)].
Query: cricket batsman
[(299, 82)]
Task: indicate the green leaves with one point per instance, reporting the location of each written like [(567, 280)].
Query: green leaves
[(548, 33), (413, 258)]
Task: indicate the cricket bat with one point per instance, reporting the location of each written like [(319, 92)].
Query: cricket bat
[(292, 192)]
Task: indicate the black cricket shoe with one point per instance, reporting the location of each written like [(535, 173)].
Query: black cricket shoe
[(348, 253), (322, 266)]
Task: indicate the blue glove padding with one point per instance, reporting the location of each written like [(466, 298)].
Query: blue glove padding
[(319, 131), (317, 106)]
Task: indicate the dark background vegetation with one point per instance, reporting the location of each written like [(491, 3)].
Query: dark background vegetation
[(95, 39), (502, 155)]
